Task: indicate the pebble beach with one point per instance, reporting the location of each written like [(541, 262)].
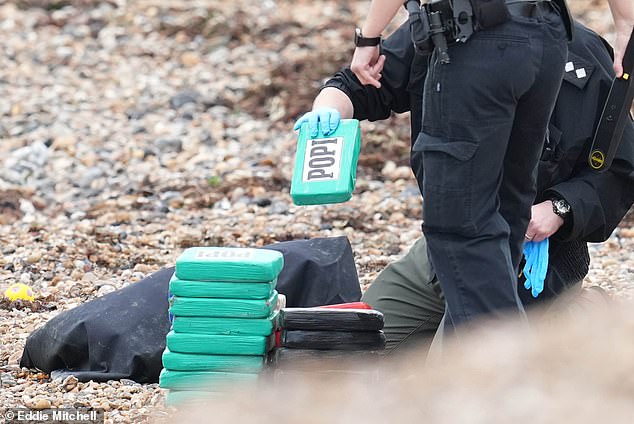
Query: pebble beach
[(132, 130)]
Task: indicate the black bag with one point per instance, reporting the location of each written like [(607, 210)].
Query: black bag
[(122, 334), (318, 271)]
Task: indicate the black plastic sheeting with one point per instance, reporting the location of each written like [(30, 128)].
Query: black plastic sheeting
[(122, 334)]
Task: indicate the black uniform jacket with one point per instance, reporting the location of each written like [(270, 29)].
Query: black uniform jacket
[(599, 201)]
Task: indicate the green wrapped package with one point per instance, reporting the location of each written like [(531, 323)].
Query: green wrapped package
[(218, 344), (175, 361), (326, 167), (202, 380), (177, 398), (221, 289), (229, 326), (222, 308), (229, 264)]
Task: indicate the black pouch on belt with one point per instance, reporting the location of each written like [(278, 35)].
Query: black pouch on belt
[(566, 17), (489, 13)]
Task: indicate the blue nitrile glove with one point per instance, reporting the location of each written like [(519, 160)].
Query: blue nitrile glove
[(529, 258), (536, 266), (326, 118)]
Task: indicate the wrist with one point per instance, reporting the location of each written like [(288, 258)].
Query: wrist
[(555, 216), (336, 98), (370, 32), (362, 40), (561, 208)]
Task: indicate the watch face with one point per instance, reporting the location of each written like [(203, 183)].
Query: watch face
[(561, 207)]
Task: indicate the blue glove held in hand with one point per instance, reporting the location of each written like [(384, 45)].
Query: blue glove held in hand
[(326, 118), (536, 266)]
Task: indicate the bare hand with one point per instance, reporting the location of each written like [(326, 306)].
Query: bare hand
[(620, 44), (367, 65), (544, 222)]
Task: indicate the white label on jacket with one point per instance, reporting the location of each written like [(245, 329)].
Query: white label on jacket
[(322, 160)]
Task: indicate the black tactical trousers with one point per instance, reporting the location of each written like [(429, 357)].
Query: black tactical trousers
[(484, 120)]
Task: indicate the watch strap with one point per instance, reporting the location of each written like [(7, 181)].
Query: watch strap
[(361, 41)]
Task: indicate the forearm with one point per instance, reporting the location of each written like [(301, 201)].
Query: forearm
[(623, 14), (335, 98), (380, 14)]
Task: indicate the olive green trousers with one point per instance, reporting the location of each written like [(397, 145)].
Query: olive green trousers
[(408, 294)]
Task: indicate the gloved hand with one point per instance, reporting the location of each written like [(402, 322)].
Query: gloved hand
[(326, 118), (536, 266)]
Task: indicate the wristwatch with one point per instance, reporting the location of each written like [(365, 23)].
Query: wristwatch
[(561, 208), (361, 41)]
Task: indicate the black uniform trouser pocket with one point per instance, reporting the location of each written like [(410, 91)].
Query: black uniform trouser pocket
[(448, 195)]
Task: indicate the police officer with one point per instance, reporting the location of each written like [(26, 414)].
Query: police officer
[(574, 204), (484, 121)]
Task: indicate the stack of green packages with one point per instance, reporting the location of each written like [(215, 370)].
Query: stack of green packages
[(224, 308)]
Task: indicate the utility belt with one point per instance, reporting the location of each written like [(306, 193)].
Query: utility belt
[(441, 23)]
